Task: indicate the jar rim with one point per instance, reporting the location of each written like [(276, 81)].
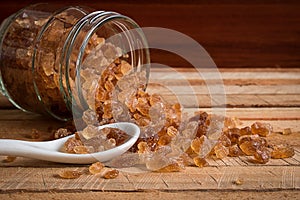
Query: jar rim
[(94, 21)]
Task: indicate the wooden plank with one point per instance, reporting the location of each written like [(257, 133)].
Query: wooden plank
[(208, 178), (154, 194), (186, 88), (219, 175), (163, 73), (242, 89), (234, 100), (17, 124)]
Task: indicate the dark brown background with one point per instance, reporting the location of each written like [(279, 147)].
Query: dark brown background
[(236, 33)]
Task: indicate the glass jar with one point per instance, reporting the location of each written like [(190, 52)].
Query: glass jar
[(52, 60)]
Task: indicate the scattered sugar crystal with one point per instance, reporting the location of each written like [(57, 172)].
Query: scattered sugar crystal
[(233, 134), (107, 110), (96, 168), (172, 131), (221, 151), (120, 112), (230, 122), (245, 131), (9, 159), (262, 155), (35, 134), (200, 162), (215, 129), (282, 151), (238, 182), (70, 174), (157, 114), (287, 131), (203, 146), (164, 140), (61, 132), (235, 151), (159, 158), (197, 143), (111, 174), (224, 140), (125, 160), (90, 117), (173, 167), (262, 129), (143, 147), (249, 144), (190, 130), (248, 147)]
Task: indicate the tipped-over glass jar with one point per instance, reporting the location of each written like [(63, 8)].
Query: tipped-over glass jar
[(53, 61)]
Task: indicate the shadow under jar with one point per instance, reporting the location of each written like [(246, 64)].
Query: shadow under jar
[(52, 61)]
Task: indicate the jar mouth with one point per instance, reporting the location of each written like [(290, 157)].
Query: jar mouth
[(108, 32)]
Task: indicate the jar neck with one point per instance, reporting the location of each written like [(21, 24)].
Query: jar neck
[(76, 49)]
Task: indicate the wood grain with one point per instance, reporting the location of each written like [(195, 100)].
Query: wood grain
[(154, 194), (236, 88), (255, 44), (209, 178), (229, 176)]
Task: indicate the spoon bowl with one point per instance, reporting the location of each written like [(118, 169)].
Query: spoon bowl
[(51, 150)]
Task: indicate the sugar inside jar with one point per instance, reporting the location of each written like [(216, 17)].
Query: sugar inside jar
[(62, 62)]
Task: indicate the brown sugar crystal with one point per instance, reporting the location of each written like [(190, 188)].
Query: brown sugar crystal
[(69, 174), (262, 156), (250, 143), (200, 162), (233, 134), (9, 159), (35, 134), (196, 144), (262, 129), (221, 151), (81, 149), (111, 174), (119, 135), (96, 168), (61, 132), (235, 151), (71, 143), (287, 131), (282, 151), (92, 139), (173, 167), (245, 131)]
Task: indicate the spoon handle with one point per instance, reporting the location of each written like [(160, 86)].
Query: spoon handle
[(16, 148)]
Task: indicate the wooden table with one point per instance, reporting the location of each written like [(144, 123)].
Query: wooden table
[(267, 95), (255, 43)]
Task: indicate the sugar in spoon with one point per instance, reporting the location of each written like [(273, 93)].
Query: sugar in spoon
[(51, 150)]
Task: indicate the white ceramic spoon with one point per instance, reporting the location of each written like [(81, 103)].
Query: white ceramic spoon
[(50, 150)]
